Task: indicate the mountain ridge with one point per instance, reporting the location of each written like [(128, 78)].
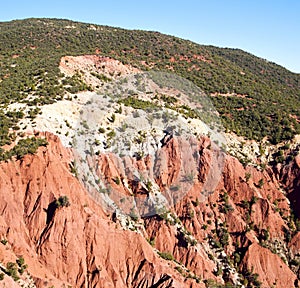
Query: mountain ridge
[(150, 31)]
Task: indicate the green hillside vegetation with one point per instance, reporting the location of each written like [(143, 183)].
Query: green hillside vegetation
[(263, 97)]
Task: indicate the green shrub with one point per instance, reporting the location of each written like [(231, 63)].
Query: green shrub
[(4, 241), (137, 103), (260, 183), (111, 134), (20, 261), (112, 118), (166, 255), (117, 180), (247, 177), (62, 201), (12, 270), (151, 241), (73, 168), (22, 266), (101, 77)]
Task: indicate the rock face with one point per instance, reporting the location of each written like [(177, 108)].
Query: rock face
[(201, 240), (95, 68), (76, 245), (290, 176), (271, 269)]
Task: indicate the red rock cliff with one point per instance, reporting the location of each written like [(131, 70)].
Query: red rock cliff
[(201, 240)]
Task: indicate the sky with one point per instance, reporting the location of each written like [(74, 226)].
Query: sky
[(265, 28)]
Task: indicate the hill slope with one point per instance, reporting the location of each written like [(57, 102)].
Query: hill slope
[(31, 50)]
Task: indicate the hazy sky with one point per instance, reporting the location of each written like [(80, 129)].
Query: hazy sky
[(269, 29)]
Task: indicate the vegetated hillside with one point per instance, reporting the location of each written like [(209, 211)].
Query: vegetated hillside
[(254, 97)]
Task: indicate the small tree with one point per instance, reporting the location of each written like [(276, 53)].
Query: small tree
[(247, 177), (260, 183), (62, 201), (12, 270)]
